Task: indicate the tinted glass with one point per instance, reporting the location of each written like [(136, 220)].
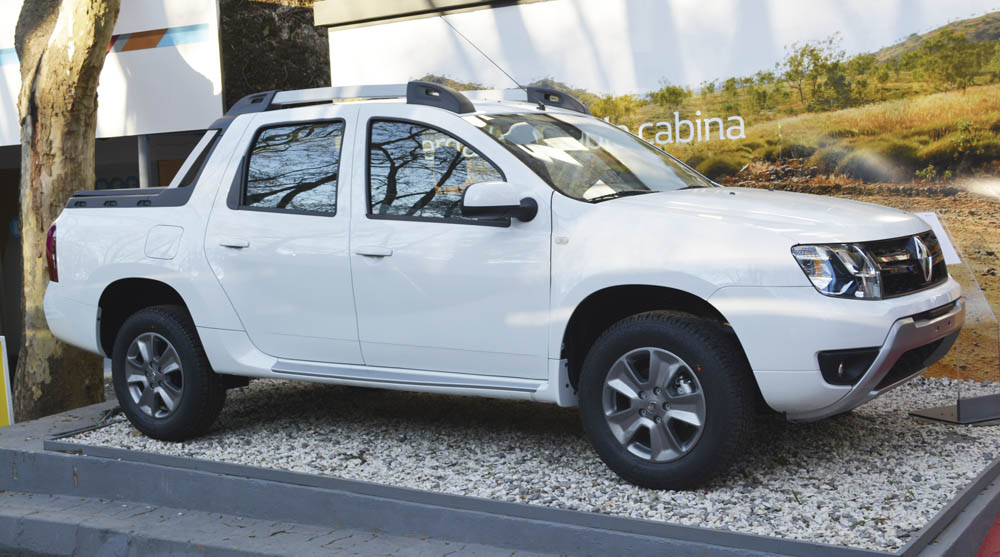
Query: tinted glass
[(417, 171), (586, 158), (295, 167)]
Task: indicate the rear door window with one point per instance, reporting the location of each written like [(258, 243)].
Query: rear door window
[(294, 168)]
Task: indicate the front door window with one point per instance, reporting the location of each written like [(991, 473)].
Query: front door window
[(420, 172)]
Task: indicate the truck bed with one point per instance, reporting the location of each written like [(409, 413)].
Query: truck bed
[(132, 197)]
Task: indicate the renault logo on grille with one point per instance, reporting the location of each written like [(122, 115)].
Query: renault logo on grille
[(924, 258)]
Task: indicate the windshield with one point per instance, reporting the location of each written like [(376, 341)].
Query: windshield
[(586, 158)]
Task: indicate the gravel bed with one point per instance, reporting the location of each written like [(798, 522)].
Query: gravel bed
[(869, 479)]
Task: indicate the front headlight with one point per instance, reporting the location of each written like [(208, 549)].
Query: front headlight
[(840, 270)]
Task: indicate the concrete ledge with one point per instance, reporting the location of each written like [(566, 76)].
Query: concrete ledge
[(290, 497), (56, 467), (65, 525), (965, 532), (977, 494)]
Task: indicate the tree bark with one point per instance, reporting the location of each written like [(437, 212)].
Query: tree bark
[(61, 46)]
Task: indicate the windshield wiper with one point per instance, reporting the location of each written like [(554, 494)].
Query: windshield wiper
[(618, 194)]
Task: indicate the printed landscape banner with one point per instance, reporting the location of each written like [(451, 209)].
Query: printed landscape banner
[(875, 91), (893, 102)]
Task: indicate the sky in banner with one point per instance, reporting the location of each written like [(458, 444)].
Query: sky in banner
[(622, 46)]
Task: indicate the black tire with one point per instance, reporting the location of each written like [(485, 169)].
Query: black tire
[(725, 381), (203, 391)]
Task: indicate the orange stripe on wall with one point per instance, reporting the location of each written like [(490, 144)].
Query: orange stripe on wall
[(144, 39)]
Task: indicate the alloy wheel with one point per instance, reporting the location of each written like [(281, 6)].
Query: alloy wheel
[(153, 375), (654, 404)]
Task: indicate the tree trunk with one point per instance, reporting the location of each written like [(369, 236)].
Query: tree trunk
[(61, 46)]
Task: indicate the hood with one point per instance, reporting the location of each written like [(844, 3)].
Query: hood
[(803, 218)]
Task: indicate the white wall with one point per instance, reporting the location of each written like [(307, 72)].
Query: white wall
[(624, 46), (154, 90), (10, 77)]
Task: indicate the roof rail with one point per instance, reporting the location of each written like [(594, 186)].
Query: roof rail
[(437, 95), (554, 97), (544, 95), (328, 94), (258, 102), (415, 92)]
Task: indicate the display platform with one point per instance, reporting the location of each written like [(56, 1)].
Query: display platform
[(520, 476)]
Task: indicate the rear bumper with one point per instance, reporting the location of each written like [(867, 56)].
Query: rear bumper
[(900, 358), (71, 321)]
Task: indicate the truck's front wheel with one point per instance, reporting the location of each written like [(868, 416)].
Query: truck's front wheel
[(666, 399), (162, 378)]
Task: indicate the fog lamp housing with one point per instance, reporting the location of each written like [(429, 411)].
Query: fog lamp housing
[(846, 367)]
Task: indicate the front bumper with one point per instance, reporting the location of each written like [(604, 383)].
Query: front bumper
[(906, 353)]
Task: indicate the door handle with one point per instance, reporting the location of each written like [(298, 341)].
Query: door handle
[(373, 251), (234, 243)]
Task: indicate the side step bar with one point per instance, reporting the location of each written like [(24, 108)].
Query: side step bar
[(405, 377)]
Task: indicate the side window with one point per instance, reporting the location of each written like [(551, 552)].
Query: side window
[(295, 167), (417, 171)]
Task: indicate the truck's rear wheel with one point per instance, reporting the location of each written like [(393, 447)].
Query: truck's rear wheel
[(162, 378), (666, 399)]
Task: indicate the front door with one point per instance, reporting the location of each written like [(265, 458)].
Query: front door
[(436, 290), (278, 239)]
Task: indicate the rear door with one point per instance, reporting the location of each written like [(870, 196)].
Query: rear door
[(277, 239)]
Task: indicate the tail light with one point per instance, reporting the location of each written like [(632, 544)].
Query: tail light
[(50, 254)]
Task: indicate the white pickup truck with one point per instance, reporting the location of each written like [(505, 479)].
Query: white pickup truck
[(498, 244)]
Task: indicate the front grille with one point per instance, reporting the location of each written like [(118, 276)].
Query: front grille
[(899, 265)]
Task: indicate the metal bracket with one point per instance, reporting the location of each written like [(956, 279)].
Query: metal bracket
[(982, 410)]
